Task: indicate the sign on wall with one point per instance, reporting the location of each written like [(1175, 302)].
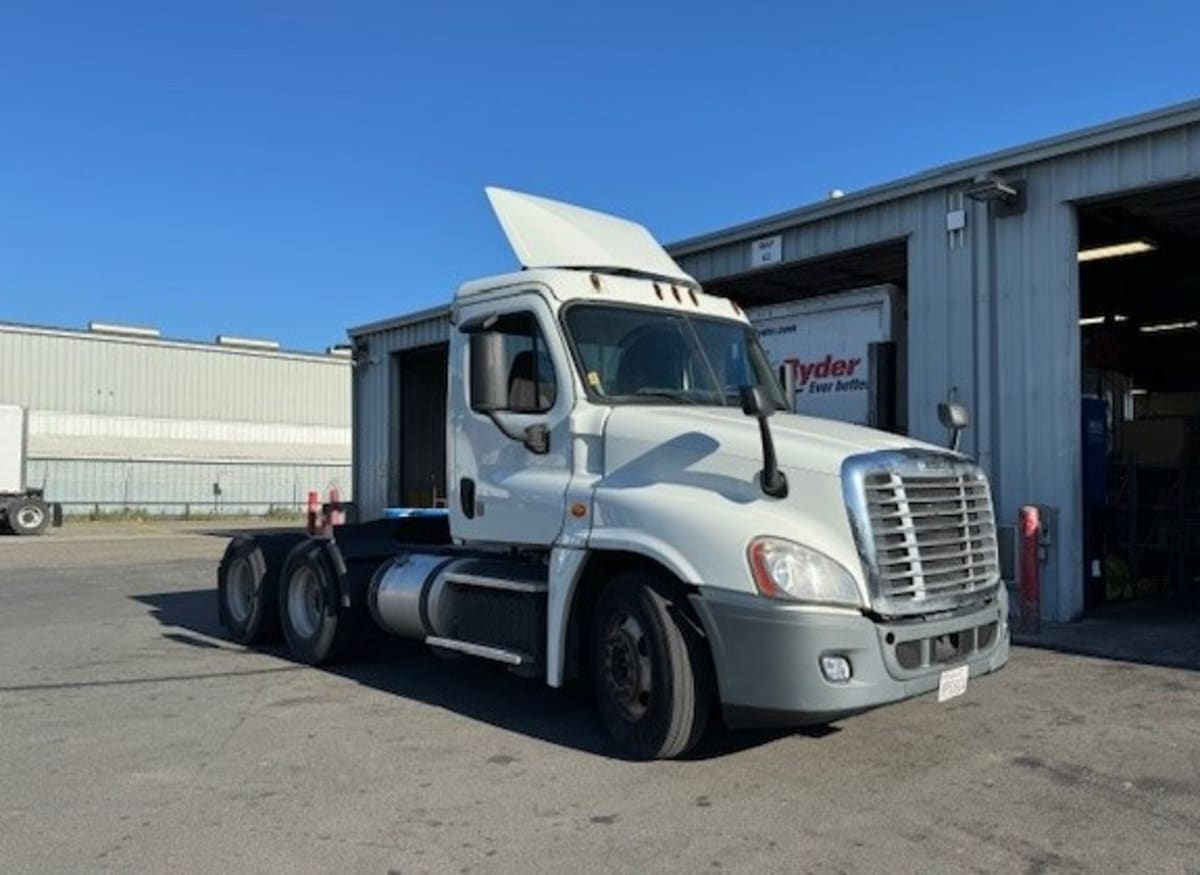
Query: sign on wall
[(766, 250)]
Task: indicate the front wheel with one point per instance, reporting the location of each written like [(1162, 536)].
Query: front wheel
[(650, 668)]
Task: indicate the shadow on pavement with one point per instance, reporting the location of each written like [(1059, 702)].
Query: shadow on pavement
[(472, 688), (1143, 632)]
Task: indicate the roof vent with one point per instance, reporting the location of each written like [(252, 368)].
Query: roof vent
[(340, 350), (246, 342), (835, 193), (123, 330)]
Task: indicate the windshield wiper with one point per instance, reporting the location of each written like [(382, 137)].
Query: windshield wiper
[(657, 393)]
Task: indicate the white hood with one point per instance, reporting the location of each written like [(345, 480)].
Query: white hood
[(680, 483), (546, 233), (801, 442)]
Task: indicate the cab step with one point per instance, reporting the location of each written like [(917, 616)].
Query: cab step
[(483, 651)]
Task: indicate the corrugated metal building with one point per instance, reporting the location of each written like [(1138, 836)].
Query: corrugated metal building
[(400, 384), (124, 419), (1035, 278)]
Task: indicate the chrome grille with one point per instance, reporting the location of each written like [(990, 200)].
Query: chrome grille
[(926, 531)]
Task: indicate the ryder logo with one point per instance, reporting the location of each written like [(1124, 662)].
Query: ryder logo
[(822, 369)]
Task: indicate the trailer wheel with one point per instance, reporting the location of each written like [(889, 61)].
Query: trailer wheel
[(247, 586), (316, 627), (650, 668), (28, 516)]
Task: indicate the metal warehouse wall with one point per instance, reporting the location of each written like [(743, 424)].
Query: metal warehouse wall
[(995, 307), (82, 372), (377, 402), (120, 422)]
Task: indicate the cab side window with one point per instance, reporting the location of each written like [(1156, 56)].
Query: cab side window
[(516, 349)]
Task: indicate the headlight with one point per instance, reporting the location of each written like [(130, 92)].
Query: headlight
[(785, 570)]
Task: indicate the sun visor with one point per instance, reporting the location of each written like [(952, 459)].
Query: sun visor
[(546, 233)]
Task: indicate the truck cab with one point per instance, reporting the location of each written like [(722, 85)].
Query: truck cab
[(632, 503)]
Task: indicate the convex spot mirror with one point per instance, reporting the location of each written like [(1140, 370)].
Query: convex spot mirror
[(954, 417)]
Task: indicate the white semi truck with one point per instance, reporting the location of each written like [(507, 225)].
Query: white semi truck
[(23, 509), (631, 504)]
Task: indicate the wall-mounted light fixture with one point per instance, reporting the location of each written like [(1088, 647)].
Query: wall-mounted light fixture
[(1007, 197)]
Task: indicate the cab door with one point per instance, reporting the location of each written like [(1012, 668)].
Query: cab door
[(511, 397)]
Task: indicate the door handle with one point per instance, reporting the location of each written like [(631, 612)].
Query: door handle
[(466, 497)]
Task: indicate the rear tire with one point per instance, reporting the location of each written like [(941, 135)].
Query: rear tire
[(248, 583), (650, 668), (318, 630), (28, 516)]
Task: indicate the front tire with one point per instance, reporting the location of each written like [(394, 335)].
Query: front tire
[(650, 668)]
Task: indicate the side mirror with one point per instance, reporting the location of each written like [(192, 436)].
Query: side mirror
[(489, 387), (755, 402), (954, 417)]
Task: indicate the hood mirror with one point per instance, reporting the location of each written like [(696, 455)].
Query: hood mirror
[(955, 417), (756, 403)]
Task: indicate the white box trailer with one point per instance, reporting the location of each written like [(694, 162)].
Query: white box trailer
[(23, 511), (840, 352)]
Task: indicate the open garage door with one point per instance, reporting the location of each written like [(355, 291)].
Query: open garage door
[(420, 439), (838, 324), (1140, 322)]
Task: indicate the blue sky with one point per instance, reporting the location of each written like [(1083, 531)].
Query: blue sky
[(287, 169)]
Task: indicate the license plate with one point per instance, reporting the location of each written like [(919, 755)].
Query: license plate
[(953, 682)]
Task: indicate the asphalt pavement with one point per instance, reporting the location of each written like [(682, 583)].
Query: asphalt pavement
[(133, 738)]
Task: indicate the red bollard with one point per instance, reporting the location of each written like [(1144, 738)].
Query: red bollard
[(1029, 573), (314, 505), (337, 516)]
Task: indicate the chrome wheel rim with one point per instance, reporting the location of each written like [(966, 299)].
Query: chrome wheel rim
[(306, 602), (627, 674), (30, 517), (240, 590)]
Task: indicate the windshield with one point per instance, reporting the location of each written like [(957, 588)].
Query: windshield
[(628, 354)]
